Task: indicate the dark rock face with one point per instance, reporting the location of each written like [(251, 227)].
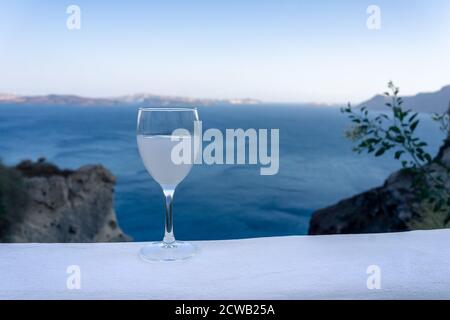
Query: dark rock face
[(67, 206), (389, 208), (384, 209), (41, 168)]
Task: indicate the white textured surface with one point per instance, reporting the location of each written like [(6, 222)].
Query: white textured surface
[(413, 265)]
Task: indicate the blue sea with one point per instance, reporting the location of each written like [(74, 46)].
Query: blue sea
[(317, 167)]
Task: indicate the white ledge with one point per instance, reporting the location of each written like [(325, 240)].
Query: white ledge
[(413, 265)]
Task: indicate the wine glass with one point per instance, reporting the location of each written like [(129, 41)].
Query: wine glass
[(161, 134)]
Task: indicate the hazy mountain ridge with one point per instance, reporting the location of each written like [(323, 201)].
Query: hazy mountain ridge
[(429, 102), (135, 99)]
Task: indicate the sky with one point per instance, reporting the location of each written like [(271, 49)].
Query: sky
[(277, 51)]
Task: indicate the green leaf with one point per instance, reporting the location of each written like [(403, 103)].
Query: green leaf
[(414, 125), (398, 154), (420, 151), (411, 119), (372, 140), (380, 152), (420, 156), (422, 144), (395, 129)]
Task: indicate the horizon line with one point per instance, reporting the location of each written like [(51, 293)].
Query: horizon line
[(3, 95)]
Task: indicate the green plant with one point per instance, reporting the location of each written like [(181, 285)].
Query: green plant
[(443, 120), (397, 132)]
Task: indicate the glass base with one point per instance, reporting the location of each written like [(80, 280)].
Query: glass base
[(160, 251)]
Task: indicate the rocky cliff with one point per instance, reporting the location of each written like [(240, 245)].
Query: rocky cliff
[(66, 206), (389, 208)]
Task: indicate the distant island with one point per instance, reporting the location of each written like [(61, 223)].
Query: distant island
[(135, 99), (430, 102)]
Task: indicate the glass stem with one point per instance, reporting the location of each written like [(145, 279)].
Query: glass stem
[(169, 237)]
